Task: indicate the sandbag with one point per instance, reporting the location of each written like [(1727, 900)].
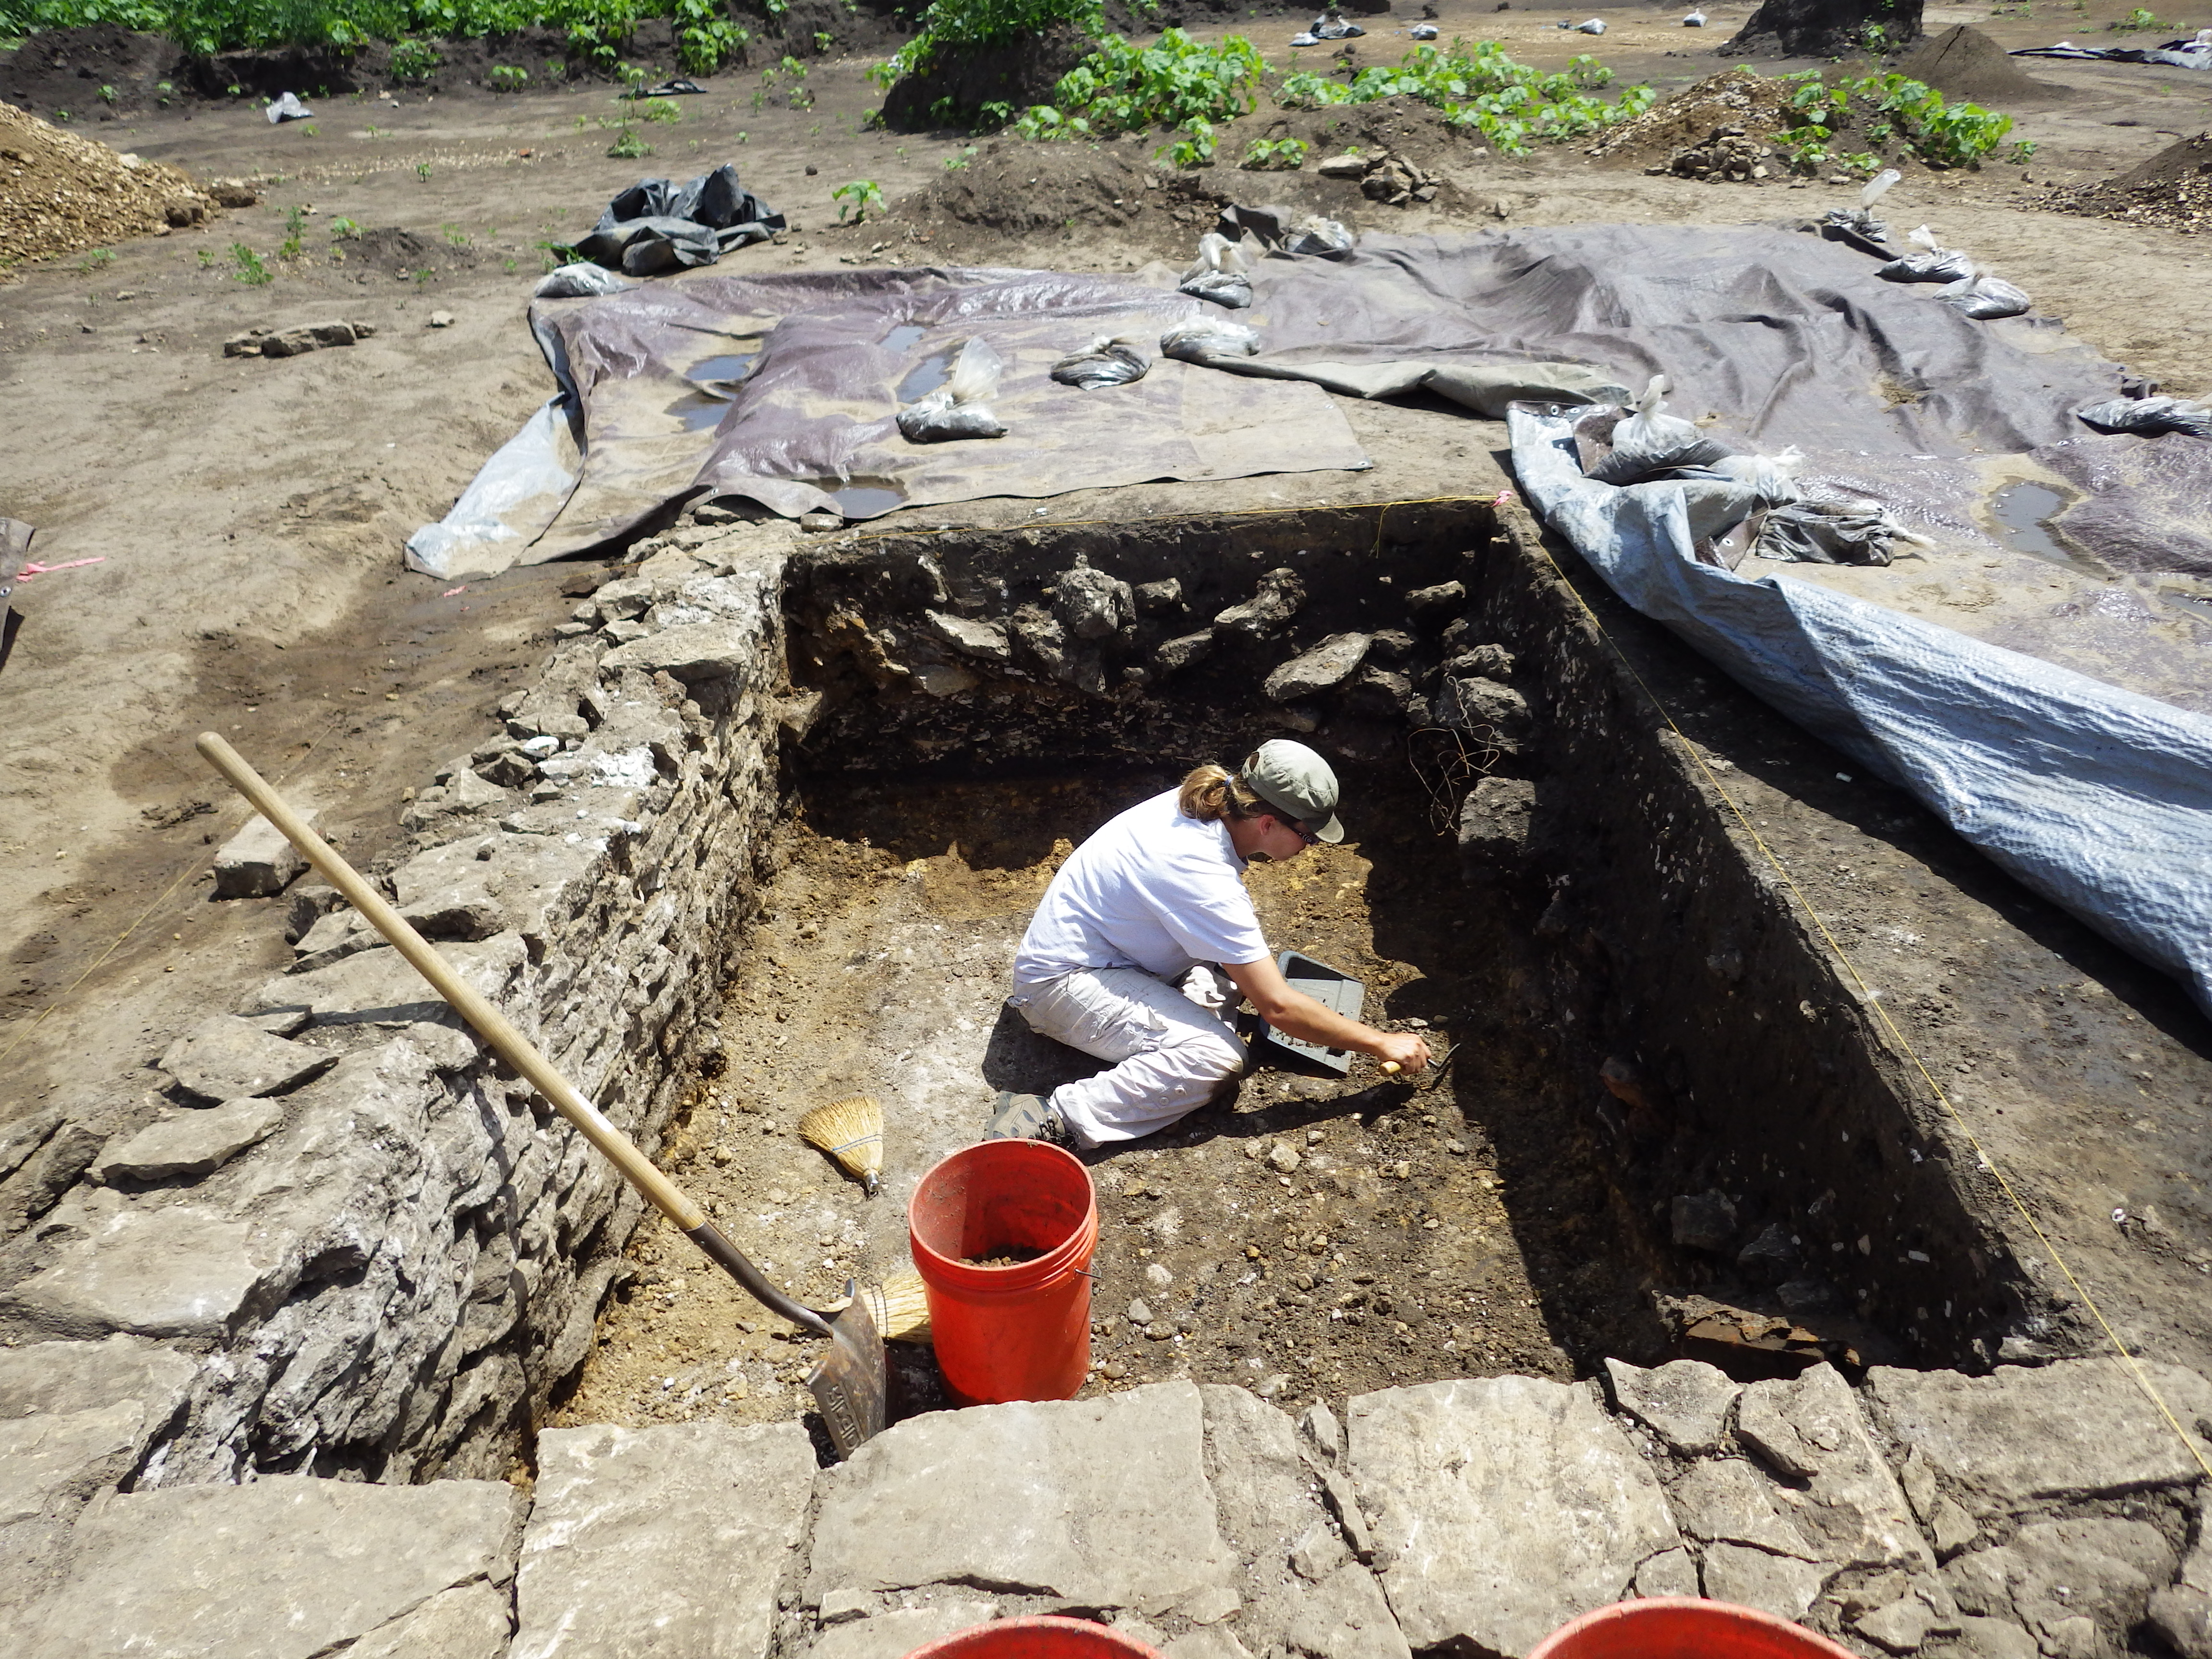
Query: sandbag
[(1105, 361), (1933, 264), (1217, 274), (1649, 441), (2149, 416), (1203, 338), (1986, 297), (578, 280), (1815, 533), (961, 407)]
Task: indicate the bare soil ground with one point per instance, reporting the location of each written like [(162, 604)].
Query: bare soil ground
[(246, 516)]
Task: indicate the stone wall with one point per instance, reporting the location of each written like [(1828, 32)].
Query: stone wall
[(2029, 1514), (343, 1241)]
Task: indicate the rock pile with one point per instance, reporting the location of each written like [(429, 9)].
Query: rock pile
[(61, 194), (2174, 189), (1756, 104), (1391, 179), (1728, 154)]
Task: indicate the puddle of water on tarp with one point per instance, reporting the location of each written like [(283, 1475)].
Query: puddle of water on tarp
[(2023, 512), (903, 337), (699, 411), (717, 379), (926, 376), (861, 497)]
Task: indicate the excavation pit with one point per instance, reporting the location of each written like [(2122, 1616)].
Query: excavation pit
[(1532, 874)]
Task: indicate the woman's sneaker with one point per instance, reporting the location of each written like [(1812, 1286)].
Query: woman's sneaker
[(1028, 1117)]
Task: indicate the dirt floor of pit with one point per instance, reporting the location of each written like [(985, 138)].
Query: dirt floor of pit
[(1315, 1235)]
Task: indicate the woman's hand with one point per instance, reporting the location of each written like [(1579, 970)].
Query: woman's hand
[(1402, 1049)]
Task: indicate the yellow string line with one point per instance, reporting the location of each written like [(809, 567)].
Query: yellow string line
[(115, 944), (2135, 1366)]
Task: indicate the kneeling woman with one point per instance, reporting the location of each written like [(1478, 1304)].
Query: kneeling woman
[(1155, 902)]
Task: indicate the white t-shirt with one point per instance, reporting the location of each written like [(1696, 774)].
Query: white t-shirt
[(1153, 889)]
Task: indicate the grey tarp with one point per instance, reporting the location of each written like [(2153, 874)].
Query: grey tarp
[(2095, 795), (785, 390)]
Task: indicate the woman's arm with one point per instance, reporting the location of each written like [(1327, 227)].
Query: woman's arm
[(1296, 1014)]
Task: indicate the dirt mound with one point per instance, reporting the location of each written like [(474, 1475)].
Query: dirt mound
[(1964, 62), (2174, 189), (1740, 98), (66, 69), (1014, 189), (63, 194), (395, 252)]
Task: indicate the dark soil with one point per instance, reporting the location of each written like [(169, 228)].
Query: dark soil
[(1964, 63), (395, 252), (966, 86), (2174, 189), (62, 70)]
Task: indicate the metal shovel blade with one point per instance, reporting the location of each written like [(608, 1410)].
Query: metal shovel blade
[(847, 1381)]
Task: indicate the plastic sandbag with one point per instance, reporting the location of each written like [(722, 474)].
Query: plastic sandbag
[(1315, 234), (1331, 25), (1105, 361), (1203, 338), (1217, 274), (1424, 30), (1771, 479), (1937, 265), (1695, 20), (1304, 39), (959, 409), (1985, 297), (2149, 416), (1650, 440), (287, 107), (1811, 533), (1859, 219), (579, 281), (1594, 26)]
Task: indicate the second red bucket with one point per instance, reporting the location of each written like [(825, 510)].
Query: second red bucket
[(1002, 1235)]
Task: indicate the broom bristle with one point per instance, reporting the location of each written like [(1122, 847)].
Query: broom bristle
[(899, 1306), (851, 1131)]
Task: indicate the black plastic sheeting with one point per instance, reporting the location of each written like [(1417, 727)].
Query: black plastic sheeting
[(657, 225)]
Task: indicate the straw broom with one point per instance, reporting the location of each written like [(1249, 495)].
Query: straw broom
[(900, 1307), (851, 1131)]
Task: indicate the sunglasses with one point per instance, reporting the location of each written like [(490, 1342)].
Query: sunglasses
[(1305, 834)]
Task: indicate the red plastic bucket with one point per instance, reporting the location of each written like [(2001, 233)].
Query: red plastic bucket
[(1684, 1627), (1045, 1636), (1021, 1330)]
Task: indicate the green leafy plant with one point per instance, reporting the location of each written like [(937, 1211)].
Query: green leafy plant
[(1119, 87), (422, 172), (860, 198), (1195, 148), (989, 23), (251, 270), (99, 259), (660, 109), (958, 161), (2137, 19), (1274, 155), (295, 229), (1896, 107), (2021, 153), (454, 235), (413, 62), (107, 96), (345, 230), (506, 78), (1480, 88), (823, 39), (309, 128), (374, 131), (629, 147), (207, 259)]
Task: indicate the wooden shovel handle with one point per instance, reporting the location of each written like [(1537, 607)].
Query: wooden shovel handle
[(516, 1050)]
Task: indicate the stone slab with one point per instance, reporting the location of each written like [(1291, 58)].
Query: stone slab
[(896, 1634), (189, 1144), (259, 861), (1502, 1508), (284, 1568), (1101, 1502), (1685, 1403), (1752, 1578), (2022, 1437), (152, 1270), (381, 985), (1345, 1617), (227, 1058), (76, 1417), (1841, 1495), (470, 1621), (665, 1540)]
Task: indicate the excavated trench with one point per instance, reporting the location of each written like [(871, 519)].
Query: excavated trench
[(1664, 1129)]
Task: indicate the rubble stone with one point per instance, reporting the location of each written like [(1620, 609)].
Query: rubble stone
[(1494, 820), (1323, 668), (1280, 597), (1726, 1500), (1344, 1617), (1101, 1501), (76, 1417), (470, 1621), (1703, 1221), (283, 1568), (666, 1539), (154, 1271), (1670, 1572), (258, 861), (1496, 714), (1778, 1584), (382, 986), (693, 652), (190, 1143), (2022, 1436), (1685, 1403), (986, 641), (893, 1635), (1504, 1507), (228, 1059), (1850, 1507), (1091, 604)]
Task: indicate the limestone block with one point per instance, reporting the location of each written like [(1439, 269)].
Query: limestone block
[(1259, 1481), (1344, 1617), (1726, 1500), (1210, 1605), (2104, 1571), (2182, 1614), (1279, 597), (1323, 668), (1685, 1403), (1497, 714), (1670, 1572), (470, 1621), (693, 652), (1318, 1553), (45, 1174), (24, 1135), (1903, 1625), (1991, 1639), (894, 1634), (1850, 1505), (76, 1417), (228, 1059), (1092, 604), (258, 861), (465, 796), (283, 1568), (1493, 824), (333, 938), (661, 1540), (1773, 1584), (1504, 1507), (2020, 1437), (190, 1143), (382, 986), (175, 1270), (1101, 1501), (1210, 1641), (1180, 652)]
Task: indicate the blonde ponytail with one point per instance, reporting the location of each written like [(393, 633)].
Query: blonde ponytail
[(1211, 794)]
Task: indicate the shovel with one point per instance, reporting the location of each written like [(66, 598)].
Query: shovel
[(847, 1381)]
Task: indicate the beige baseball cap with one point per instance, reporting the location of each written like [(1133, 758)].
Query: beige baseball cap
[(1292, 777)]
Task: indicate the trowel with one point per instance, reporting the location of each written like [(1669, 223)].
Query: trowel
[(847, 1381)]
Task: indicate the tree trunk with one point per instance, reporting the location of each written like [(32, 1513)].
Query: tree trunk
[(1827, 28)]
